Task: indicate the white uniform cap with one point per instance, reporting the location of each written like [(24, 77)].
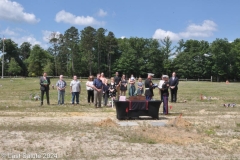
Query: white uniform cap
[(150, 74), (165, 76)]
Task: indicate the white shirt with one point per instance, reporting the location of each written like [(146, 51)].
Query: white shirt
[(132, 79), (75, 85), (90, 83), (160, 84)]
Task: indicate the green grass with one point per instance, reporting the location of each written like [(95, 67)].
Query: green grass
[(210, 132), (208, 117), (14, 97), (15, 94)]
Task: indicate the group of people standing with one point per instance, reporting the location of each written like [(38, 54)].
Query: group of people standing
[(165, 84), (75, 89), (99, 89), (132, 89)]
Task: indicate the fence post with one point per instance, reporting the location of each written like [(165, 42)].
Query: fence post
[(211, 78)]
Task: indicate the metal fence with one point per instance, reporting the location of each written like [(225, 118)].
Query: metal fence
[(210, 80), (154, 78)]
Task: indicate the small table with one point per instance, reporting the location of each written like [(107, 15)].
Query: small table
[(134, 109)]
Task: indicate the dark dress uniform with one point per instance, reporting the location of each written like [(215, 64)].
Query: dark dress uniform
[(165, 95), (148, 89)]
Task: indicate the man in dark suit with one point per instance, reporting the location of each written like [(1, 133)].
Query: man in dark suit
[(44, 87), (173, 83), (149, 87)]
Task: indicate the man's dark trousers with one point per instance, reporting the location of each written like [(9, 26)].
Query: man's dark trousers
[(42, 96), (174, 95)]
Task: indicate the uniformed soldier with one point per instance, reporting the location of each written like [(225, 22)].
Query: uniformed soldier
[(149, 87)]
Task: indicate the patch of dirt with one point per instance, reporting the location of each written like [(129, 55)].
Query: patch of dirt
[(202, 111), (106, 123), (84, 137), (179, 122), (169, 135)]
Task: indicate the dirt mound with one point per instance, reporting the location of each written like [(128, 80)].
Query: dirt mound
[(106, 123), (167, 135), (179, 122)]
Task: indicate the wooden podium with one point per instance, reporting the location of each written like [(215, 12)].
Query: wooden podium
[(137, 98)]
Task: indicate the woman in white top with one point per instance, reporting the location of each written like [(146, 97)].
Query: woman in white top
[(89, 85), (140, 86)]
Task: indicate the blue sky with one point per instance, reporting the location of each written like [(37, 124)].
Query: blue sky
[(35, 20)]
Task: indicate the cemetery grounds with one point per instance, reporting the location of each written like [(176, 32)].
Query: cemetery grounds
[(198, 125)]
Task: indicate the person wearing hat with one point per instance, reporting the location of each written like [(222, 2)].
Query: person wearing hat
[(149, 87), (162, 80)]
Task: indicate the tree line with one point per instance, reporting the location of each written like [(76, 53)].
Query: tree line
[(91, 51)]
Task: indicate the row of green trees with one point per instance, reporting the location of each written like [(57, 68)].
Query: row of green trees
[(92, 51)]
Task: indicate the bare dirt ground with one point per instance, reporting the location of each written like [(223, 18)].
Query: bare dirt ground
[(85, 135)]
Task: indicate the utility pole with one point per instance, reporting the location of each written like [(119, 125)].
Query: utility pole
[(3, 58)]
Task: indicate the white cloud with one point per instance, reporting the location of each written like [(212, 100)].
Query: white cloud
[(206, 29), (102, 13), (30, 38), (19, 35), (67, 17), (13, 11), (8, 32), (47, 35), (123, 37), (161, 34)]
